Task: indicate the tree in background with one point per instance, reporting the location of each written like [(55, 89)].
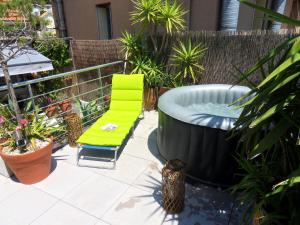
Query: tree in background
[(151, 49), (15, 38)]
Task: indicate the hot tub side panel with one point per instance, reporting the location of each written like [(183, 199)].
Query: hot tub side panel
[(207, 152)]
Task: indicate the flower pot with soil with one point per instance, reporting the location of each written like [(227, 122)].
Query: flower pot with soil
[(32, 166), (150, 98), (65, 106), (163, 90), (107, 100), (28, 150), (52, 111)]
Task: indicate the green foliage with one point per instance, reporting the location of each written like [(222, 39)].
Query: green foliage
[(148, 51), (40, 128), (55, 49), (90, 110), (186, 58), (171, 16), (152, 70), (58, 51), (132, 44), (5, 115), (269, 127), (167, 14), (24, 10), (146, 12), (34, 126)]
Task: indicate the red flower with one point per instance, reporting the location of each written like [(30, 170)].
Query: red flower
[(2, 119), (18, 128), (24, 122)]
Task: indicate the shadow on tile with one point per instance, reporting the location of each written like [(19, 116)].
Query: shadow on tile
[(203, 205), (152, 146)]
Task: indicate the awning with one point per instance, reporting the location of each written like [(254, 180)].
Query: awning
[(29, 61)]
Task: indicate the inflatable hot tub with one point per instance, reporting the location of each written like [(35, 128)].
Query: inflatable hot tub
[(194, 126)]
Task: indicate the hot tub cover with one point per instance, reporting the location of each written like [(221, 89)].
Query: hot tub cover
[(178, 101)]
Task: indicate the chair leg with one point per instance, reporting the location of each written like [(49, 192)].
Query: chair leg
[(115, 159), (78, 155), (132, 131)]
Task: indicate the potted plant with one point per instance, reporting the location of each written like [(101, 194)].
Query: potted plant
[(65, 105), (268, 130), (107, 99), (30, 163), (153, 78), (52, 108), (167, 83), (185, 62)]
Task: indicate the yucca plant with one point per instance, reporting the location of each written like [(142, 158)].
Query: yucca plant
[(171, 16), (154, 15), (145, 12), (185, 59), (148, 50), (269, 127), (132, 44), (152, 70)]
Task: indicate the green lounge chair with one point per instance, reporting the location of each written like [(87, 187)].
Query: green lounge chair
[(125, 108)]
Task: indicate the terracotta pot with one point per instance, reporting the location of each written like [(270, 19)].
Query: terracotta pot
[(52, 111), (32, 167), (150, 98), (162, 90), (68, 79), (107, 99), (65, 105)]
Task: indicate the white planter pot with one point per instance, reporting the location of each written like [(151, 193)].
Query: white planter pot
[(4, 170)]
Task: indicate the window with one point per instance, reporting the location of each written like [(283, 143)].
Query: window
[(104, 21)]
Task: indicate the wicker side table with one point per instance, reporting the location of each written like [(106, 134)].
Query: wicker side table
[(74, 128), (173, 186)]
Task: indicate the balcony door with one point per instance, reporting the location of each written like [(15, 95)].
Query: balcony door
[(104, 22)]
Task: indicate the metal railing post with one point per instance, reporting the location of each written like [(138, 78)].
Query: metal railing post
[(101, 88), (32, 97)]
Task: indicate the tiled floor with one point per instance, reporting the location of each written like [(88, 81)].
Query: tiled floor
[(129, 195)]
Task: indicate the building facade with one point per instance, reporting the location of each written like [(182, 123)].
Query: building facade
[(107, 19)]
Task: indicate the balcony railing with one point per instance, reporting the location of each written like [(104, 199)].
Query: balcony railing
[(88, 97)]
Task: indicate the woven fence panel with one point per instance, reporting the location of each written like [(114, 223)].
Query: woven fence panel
[(225, 51), (88, 53), (94, 52)]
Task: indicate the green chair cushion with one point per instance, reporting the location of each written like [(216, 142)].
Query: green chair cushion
[(127, 92), (128, 82), (96, 136), (125, 107)]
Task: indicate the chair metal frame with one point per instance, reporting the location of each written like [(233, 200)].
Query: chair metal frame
[(115, 149)]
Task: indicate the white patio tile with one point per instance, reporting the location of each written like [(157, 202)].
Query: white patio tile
[(127, 170), (96, 195), (102, 223), (63, 179), (151, 117), (64, 214), (142, 148), (25, 206), (136, 207), (203, 205), (145, 130), (8, 187), (93, 196), (150, 179), (66, 154)]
